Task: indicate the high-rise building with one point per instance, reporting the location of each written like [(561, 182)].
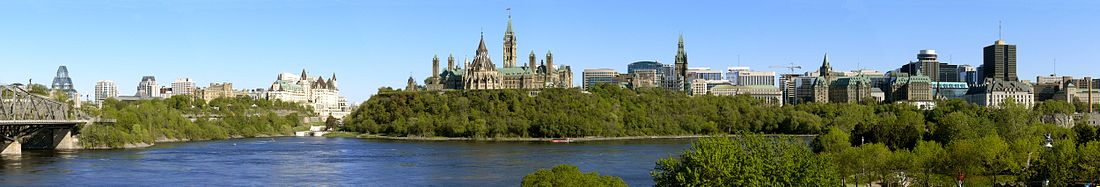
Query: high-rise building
[(950, 73), (928, 65), (63, 83), (105, 89), (183, 86), (148, 88), (969, 74), (999, 61), (787, 84), (593, 77)]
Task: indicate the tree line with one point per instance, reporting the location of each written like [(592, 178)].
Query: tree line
[(886, 143), (147, 121)]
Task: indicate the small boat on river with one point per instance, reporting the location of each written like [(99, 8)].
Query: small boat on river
[(561, 140)]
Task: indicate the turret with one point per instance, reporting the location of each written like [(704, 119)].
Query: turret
[(332, 82), (531, 62), (549, 62), (435, 66), (435, 70), (451, 62)]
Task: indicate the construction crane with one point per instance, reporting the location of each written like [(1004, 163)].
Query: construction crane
[(790, 66)]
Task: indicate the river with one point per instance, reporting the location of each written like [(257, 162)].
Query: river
[(311, 161)]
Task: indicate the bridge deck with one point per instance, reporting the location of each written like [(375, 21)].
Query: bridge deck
[(42, 122)]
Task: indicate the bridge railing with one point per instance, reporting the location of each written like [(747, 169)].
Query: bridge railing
[(18, 104)]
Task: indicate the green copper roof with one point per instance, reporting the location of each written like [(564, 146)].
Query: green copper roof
[(514, 71), (288, 86), (509, 31)]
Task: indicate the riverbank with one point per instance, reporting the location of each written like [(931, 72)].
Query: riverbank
[(580, 139), (140, 145)]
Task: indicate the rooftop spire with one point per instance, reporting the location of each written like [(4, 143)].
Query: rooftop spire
[(826, 69), (509, 21), (681, 42), (481, 46)]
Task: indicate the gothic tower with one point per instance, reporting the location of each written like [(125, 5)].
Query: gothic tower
[(531, 62), (509, 46), (549, 62), (451, 62), (826, 70), (435, 69), (682, 63)]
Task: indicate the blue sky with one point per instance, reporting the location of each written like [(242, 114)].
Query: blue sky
[(369, 44)]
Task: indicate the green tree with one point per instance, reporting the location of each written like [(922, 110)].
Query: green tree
[(39, 89), (835, 141), (569, 176), (331, 122), (929, 157), (746, 160), (1089, 161)]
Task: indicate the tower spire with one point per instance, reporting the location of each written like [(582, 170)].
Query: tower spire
[(1000, 34), (509, 44), (826, 69), (509, 21)]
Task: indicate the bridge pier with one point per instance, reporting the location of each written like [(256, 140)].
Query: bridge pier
[(63, 139), (12, 148)]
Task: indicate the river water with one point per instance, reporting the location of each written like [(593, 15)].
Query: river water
[(310, 161)]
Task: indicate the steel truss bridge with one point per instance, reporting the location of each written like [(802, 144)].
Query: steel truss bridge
[(30, 121)]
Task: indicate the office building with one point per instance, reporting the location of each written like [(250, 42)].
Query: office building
[(770, 94), (183, 86), (999, 61), (969, 74), (105, 89), (148, 88), (747, 77), (592, 77), (704, 73), (787, 84)]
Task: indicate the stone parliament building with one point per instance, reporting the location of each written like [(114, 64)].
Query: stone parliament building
[(483, 74)]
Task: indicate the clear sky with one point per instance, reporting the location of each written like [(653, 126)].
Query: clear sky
[(369, 44)]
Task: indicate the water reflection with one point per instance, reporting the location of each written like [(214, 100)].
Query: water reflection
[(332, 162)]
